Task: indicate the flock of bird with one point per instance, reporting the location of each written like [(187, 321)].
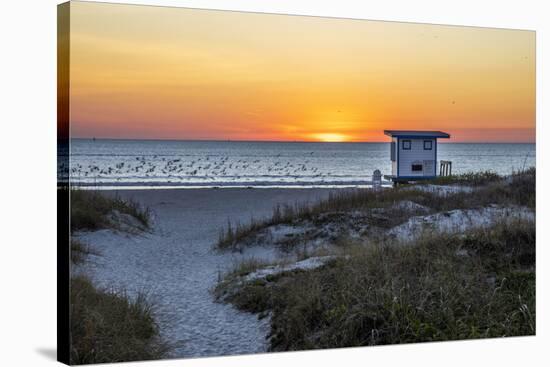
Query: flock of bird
[(199, 167)]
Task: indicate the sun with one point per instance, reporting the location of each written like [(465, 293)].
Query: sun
[(330, 137)]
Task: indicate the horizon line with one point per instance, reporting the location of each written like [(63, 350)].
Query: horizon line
[(293, 141)]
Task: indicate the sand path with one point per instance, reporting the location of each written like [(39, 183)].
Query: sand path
[(177, 266)]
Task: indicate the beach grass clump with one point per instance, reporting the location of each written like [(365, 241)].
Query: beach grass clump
[(231, 235), (518, 189), (90, 210), (108, 326), (246, 267), (80, 251), (340, 201), (469, 178), (441, 287)]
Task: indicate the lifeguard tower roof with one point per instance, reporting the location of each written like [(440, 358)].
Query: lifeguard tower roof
[(416, 134)]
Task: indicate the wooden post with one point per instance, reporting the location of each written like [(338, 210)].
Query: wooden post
[(445, 168)]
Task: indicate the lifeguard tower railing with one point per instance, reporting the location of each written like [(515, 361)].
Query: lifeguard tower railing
[(445, 168)]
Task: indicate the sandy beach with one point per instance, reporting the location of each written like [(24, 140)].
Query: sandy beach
[(176, 265), (273, 281)]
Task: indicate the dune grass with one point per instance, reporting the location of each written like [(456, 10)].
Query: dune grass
[(80, 251), (338, 201), (109, 326), (479, 178), (90, 210), (469, 178), (440, 288), (516, 189)]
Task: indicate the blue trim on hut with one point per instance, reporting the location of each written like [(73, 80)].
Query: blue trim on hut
[(408, 178), (416, 134)]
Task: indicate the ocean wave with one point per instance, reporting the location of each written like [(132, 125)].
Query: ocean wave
[(223, 184)]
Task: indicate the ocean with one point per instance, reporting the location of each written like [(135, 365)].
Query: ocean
[(109, 163)]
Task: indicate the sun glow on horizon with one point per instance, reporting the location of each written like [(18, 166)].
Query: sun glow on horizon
[(330, 137)]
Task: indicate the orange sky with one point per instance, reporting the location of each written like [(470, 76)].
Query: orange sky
[(169, 73)]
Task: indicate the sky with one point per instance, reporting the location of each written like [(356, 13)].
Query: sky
[(144, 72)]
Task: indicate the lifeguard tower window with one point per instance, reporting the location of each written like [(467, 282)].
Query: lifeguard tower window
[(392, 151), (406, 145), (427, 145), (416, 167)]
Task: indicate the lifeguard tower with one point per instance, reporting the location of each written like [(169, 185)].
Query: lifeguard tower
[(414, 155)]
